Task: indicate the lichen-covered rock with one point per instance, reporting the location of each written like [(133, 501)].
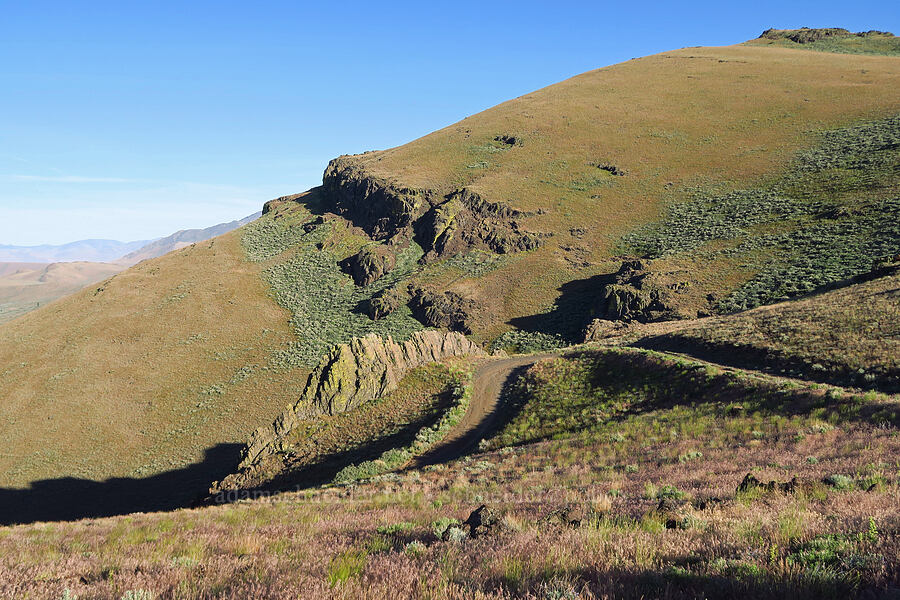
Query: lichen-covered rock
[(600, 329), (465, 220), (352, 374), (633, 296), (385, 302), (673, 512), (573, 515), (483, 521), (749, 483), (626, 301), (442, 224), (447, 310), (370, 264)]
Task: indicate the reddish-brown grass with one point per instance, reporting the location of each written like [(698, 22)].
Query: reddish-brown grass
[(326, 543)]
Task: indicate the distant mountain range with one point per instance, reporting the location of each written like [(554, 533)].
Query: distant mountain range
[(82, 250), (180, 239), (27, 281), (107, 251)]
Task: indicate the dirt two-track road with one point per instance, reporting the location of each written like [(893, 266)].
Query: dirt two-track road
[(484, 410)]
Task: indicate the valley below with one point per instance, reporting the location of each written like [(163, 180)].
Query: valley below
[(27, 286)]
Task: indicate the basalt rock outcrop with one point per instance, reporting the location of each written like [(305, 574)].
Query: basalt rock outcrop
[(573, 514), (352, 374), (382, 208), (806, 35), (601, 329), (385, 302), (443, 224), (369, 264), (446, 310), (442, 310), (632, 296), (466, 220), (750, 483), (483, 521)]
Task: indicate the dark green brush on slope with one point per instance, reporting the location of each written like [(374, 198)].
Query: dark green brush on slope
[(830, 217)]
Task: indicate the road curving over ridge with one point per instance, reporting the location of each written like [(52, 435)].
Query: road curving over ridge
[(485, 408)]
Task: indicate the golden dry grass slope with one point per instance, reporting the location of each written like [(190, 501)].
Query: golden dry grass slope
[(25, 286), (142, 373), (726, 118), (848, 336)]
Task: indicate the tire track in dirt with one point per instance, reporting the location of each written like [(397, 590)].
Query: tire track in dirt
[(484, 408)]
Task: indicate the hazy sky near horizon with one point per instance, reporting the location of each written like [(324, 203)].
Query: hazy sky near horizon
[(129, 121)]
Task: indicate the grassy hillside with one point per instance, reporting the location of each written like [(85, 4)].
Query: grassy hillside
[(144, 372), (596, 158), (27, 286), (180, 239), (636, 398), (849, 336), (299, 253), (652, 486)]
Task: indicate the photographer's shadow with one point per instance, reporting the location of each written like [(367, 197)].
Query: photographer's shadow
[(70, 498)]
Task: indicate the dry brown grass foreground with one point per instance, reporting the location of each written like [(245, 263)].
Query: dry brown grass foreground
[(377, 540), (142, 374)]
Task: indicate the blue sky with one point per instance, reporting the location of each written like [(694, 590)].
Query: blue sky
[(130, 120)]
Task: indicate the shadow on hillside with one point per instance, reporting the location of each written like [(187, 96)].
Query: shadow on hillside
[(324, 471), (766, 360), (666, 385), (300, 475), (572, 311), (682, 580), (70, 498)]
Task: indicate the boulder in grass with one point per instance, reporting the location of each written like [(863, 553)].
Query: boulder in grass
[(482, 521)]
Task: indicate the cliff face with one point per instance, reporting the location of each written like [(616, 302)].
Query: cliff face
[(466, 220), (380, 207), (442, 224), (352, 374)]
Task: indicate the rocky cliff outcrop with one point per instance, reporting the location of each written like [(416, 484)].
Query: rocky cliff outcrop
[(447, 310), (380, 207), (369, 264), (806, 35), (634, 295), (442, 224), (352, 374), (465, 220), (385, 302), (600, 329)]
